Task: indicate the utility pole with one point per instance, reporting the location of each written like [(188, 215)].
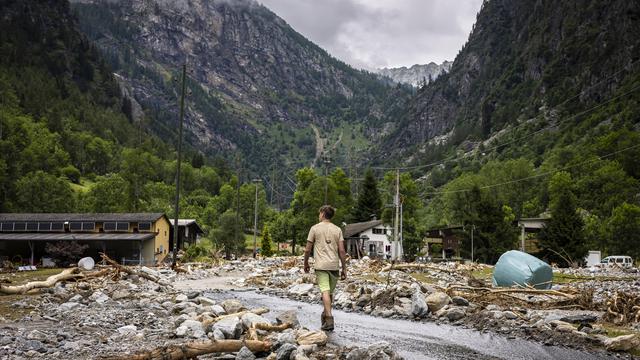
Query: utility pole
[(177, 215), (396, 204), (401, 253), (255, 220), (327, 161), (473, 227)]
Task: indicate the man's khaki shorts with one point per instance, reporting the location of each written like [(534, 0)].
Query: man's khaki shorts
[(327, 280)]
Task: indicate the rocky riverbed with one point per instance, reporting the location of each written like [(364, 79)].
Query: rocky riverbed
[(576, 312), (121, 314)]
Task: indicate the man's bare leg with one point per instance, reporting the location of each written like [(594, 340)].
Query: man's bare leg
[(326, 302)]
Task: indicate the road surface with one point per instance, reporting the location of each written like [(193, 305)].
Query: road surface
[(414, 340)]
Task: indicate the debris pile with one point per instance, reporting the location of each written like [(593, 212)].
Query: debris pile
[(117, 312), (462, 294)]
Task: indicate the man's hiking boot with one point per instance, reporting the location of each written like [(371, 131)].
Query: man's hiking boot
[(327, 323)]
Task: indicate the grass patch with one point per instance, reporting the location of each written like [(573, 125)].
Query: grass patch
[(18, 278), (23, 277), (423, 278), (484, 274)]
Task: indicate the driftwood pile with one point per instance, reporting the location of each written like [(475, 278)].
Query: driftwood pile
[(623, 309)]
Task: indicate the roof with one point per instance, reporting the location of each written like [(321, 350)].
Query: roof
[(100, 217), (187, 222), (357, 228), (76, 236)]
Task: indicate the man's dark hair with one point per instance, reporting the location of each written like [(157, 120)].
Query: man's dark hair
[(327, 211)]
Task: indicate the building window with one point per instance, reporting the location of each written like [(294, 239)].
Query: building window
[(116, 226), (75, 226), (144, 226), (19, 226), (379, 231), (88, 226), (32, 226), (6, 226), (57, 226), (44, 226), (387, 248)]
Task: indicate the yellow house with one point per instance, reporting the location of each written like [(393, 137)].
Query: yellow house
[(130, 238)]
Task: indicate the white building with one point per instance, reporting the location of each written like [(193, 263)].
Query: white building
[(370, 238)]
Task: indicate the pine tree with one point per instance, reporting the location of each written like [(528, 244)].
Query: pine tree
[(369, 202), (267, 251), (562, 238)]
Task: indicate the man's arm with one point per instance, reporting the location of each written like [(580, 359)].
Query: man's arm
[(311, 238), (307, 252), (343, 258)]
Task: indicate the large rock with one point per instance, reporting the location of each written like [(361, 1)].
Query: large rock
[(455, 314), (69, 306), (99, 297), (300, 289), (127, 330), (288, 317), (231, 327), (403, 306), (232, 306), (190, 328), (306, 337), (284, 352), (250, 319), (459, 301), (623, 343), (217, 309), (245, 354), (419, 307), (437, 301), (377, 351)]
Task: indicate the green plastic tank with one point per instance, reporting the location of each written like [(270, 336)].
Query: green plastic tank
[(516, 268)]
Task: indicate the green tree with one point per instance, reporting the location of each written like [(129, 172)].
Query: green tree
[(40, 192), (227, 231), (562, 239), (267, 250), (369, 202), (623, 228), (108, 194)]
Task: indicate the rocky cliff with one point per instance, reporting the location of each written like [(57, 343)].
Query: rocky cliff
[(417, 75), (256, 85), (522, 59)]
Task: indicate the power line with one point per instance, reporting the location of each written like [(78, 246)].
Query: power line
[(600, 158)]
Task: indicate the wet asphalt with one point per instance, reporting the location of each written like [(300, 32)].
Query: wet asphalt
[(413, 340)]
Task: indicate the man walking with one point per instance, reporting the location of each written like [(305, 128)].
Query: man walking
[(326, 241)]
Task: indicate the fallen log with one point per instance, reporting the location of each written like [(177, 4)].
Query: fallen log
[(411, 267), (67, 274), (269, 327), (196, 348), (128, 270)]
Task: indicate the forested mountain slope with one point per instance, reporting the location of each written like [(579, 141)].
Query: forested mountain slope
[(256, 84), (68, 141), (525, 62)]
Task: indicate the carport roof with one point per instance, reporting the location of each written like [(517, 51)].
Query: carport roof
[(76, 236)]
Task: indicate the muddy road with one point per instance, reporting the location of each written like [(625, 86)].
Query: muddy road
[(414, 340)]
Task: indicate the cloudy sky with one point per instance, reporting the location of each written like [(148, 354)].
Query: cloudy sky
[(382, 33)]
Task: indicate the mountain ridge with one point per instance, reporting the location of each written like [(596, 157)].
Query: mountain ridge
[(416, 75)]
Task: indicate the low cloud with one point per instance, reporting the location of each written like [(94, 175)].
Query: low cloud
[(382, 33)]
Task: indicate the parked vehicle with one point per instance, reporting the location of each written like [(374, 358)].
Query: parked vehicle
[(623, 261)]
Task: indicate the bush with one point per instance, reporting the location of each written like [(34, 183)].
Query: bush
[(200, 252), (71, 173), (65, 252)]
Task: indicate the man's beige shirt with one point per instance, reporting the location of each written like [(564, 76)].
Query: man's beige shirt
[(325, 237)]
